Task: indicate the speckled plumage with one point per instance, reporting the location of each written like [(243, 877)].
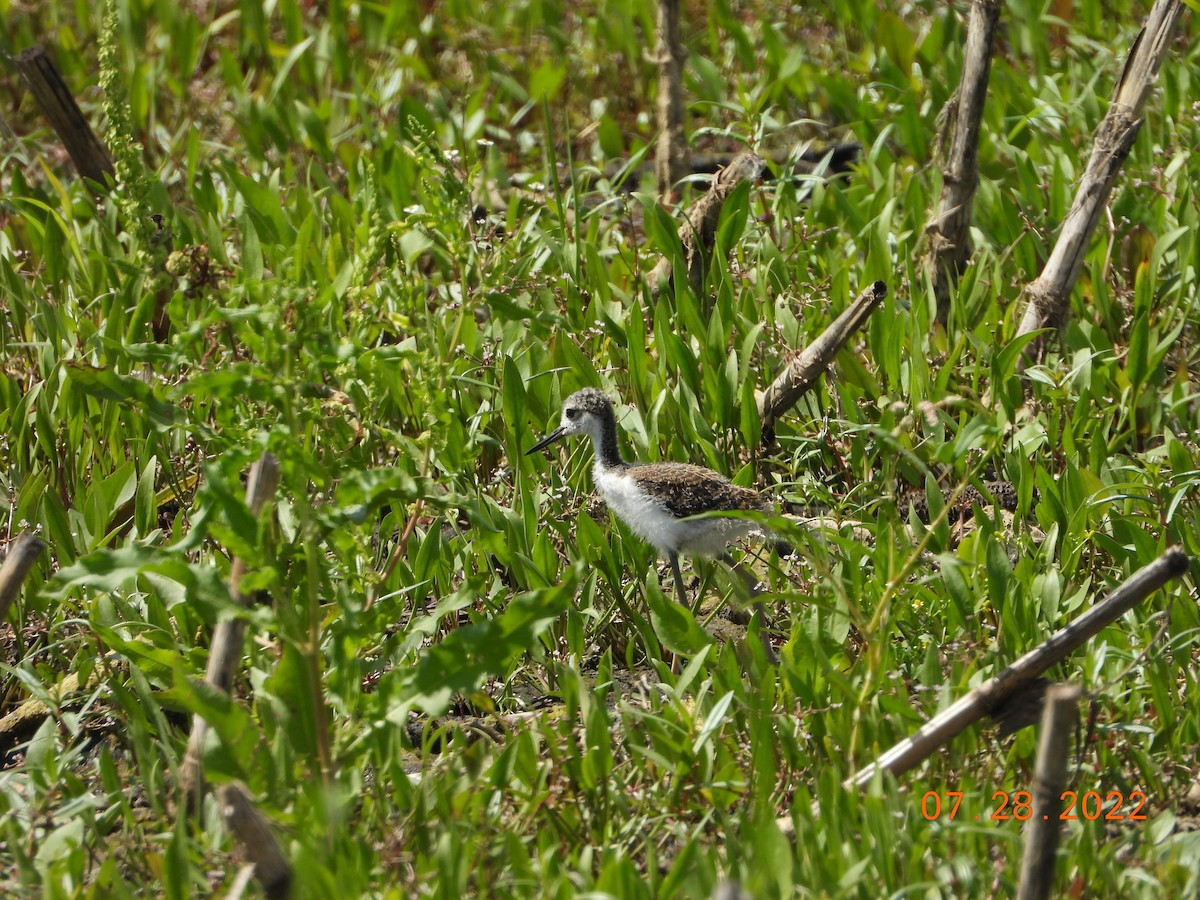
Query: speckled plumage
[(653, 499), (687, 490)]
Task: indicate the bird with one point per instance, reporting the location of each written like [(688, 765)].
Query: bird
[(657, 500)]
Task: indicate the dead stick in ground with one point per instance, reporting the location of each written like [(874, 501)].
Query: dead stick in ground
[(54, 99), (698, 231), (1050, 778), (671, 156), (803, 372), (949, 231), (996, 690), (1048, 296), (253, 832), (21, 556), (226, 647), (993, 692)]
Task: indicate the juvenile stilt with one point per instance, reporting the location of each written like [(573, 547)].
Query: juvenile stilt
[(657, 500)]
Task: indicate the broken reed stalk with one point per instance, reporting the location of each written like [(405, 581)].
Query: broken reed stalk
[(21, 556), (226, 649), (22, 722), (949, 232), (996, 690), (1048, 296), (698, 231), (802, 372), (253, 831), (1059, 720), (54, 99), (670, 160), (913, 750)]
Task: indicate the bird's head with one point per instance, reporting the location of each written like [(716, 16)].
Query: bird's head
[(587, 411)]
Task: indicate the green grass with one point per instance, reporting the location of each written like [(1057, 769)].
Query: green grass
[(333, 300)]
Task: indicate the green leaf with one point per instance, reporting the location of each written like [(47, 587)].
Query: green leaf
[(296, 709), (145, 513), (252, 258), (545, 81), (751, 424), (283, 73), (470, 655), (612, 140), (999, 572), (513, 399), (373, 488), (675, 625), (735, 211), (892, 33), (157, 661), (712, 722), (956, 586), (1138, 358), (236, 732), (113, 570), (241, 539), (412, 244), (1004, 364), (105, 384)]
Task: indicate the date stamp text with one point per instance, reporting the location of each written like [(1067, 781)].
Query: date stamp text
[(1090, 805)]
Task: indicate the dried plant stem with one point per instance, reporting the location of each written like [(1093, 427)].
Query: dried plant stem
[(802, 372), (671, 159), (253, 832), (1048, 295), (228, 636), (949, 231), (1059, 721), (54, 99), (990, 695), (698, 231), (21, 556)]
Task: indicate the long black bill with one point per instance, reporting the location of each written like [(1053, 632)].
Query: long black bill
[(546, 441)]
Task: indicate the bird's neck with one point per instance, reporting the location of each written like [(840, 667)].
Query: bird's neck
[(604, 442)]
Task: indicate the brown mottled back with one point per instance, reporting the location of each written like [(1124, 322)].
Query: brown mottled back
[(686, 490)]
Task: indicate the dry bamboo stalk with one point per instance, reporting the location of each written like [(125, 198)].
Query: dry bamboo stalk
[(1059, 719), (1056, 648), (949, 231), (241, 881), (21, 556), (253, 832), (996, 690), (698, 232), (803, 372), (671, 156), (23, 721), (730, 890), (226, 646), (1048, 296), (54, 99)]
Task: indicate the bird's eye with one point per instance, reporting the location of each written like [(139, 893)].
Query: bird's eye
[(572, 413)]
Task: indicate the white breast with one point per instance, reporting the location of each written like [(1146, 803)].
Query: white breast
[(651, 521), (644, 517)]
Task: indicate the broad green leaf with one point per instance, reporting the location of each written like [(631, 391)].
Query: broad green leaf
[(464, 660), (133, 393), (675, 625), (236, 733)]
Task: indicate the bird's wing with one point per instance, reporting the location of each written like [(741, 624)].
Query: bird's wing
[(686, 490)]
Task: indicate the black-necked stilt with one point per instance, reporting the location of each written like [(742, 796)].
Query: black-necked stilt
[(656, 500)]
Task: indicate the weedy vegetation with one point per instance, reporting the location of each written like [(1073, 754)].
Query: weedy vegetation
[(376, 264)]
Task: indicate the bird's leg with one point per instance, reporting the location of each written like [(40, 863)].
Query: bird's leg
[(748, 578), (673, 558), (760, 609)]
